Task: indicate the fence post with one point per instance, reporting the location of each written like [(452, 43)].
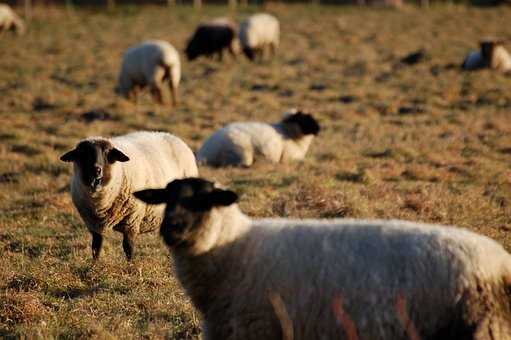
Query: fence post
[(197, 4), (28, 10), (110, 4)]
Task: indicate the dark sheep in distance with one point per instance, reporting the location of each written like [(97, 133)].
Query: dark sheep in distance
[(212, 38)]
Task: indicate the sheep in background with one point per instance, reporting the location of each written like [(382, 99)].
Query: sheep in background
[(213, 37), (241, 143), (108, 170), (492, 55), (10, 21), (150, 63), (262, 278), (258, 33)]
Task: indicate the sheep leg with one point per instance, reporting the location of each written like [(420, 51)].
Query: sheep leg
[(97, 242), (156, 93), (128, 243), (173, 93), (220, 55), (273, 49)]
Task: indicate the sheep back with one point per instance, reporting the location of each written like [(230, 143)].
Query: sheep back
[(259, 30), (148, 63), (239, 143), (374, 273), (211, 37)]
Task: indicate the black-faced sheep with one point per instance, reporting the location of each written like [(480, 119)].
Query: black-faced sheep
[(242, 143), (151, 64), (259, 33), (491, 55), (321, 279), (10, 21), (108, 170), (212, 38)]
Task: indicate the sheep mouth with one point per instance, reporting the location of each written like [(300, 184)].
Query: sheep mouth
[(96, 184)]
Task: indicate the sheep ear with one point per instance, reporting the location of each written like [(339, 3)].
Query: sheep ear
[(152, 196), (115, 155), (224, 198), (69, 156)]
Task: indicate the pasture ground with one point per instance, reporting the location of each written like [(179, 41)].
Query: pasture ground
[(424, 143)]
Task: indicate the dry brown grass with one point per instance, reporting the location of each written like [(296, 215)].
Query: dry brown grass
[(424, 142)]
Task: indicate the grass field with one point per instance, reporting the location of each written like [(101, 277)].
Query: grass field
[(424, 143)]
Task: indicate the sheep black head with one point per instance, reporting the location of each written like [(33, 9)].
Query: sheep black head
[(93, 160), (189, 203), (300, 124)]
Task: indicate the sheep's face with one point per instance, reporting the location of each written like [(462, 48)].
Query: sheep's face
[(192, 50), (93, 160), (300, 124), (189, 203)]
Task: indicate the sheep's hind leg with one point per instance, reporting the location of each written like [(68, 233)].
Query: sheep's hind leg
[(97, 242), (156, 92), (128, 243)]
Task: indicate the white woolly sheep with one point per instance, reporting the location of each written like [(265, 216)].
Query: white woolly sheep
[(212, 38), (108, 170), (10, 21), (150, 64), (241, 143), (492, 55), (258, 33), (320, 279)]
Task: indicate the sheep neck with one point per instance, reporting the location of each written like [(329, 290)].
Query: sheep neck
[(201, 267)]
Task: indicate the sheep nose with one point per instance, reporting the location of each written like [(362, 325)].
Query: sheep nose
[(98, 170)]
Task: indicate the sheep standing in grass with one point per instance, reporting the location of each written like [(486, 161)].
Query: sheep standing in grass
[(259, 33), (213, 37), (492, 55), (10, 21), (151, 64), (307, 279), (108, 170), (241, 143)]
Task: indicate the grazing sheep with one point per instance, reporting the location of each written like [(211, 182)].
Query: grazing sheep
[(317, 279), (10, 21), (150, 64), (492, 55), (108, 170), (258, 33), (213, 37), (241, 143)]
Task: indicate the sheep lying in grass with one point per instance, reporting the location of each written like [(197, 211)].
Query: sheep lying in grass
[(492, 55), (258, 33), (10, 21), (151, 64), (108, 170), (265, 278), (212, 38), (241, 143)]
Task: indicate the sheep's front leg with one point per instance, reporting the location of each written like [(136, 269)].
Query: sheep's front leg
[(97, 243), (156, 92), (128, 243)]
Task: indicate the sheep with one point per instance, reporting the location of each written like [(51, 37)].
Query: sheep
[(150, 63), (213, 37), (10, 21), (108, 170), (492, 55), (275, 278), (240, 143), (258, 33)]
